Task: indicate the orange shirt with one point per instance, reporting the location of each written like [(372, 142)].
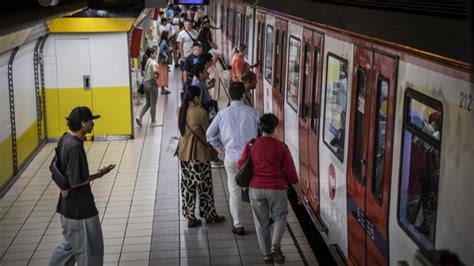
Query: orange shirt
[(238, 65)]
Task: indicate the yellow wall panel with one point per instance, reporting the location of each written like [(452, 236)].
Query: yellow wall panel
[(68, 99), (113, 104), (6, 170), (52, 111), (27, 143)]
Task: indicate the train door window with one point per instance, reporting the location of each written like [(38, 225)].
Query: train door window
[(294, 72), (422, 131), (380, 136), (304, 90), (282, 65), (335, 108), (314, 104), (238, 25), (269, 53), (359, 126)]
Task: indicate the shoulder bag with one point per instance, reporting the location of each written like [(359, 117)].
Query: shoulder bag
[(214, 153), (57, 175), (244, 175)]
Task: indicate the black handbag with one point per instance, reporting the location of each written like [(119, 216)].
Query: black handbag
[(56, 174), (244, 175)]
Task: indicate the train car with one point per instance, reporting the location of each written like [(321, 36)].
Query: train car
[(381, 132)]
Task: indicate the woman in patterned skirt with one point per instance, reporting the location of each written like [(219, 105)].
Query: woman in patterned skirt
[(194, 156)]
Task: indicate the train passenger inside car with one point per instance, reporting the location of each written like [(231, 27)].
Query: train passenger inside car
[(273, 169), (238, 64), (231, 129), (194, 157)]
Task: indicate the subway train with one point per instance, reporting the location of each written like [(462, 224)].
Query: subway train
[(380, 131)]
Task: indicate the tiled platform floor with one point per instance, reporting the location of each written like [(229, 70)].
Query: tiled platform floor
[(139, 208)]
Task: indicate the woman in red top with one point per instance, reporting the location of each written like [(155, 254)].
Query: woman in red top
[(273, 169), (238, 64)]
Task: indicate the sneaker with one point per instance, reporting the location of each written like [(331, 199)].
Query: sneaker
[(215, 219), (268, 259), (139, 122), (238, 230), (176, 65), (165, 92), (277, 255), (155, 124), (194, 223), (217, 164)]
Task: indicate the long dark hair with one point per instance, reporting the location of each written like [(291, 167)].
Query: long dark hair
[(164, 36), (190, 93), (204, 34), (149, 51)]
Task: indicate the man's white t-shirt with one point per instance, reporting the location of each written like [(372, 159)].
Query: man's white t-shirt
[(187, 41)]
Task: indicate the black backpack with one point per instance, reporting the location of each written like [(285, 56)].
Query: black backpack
[(57, 175)]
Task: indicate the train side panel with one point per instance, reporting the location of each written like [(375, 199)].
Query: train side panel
[(454, 204), (333, 192)]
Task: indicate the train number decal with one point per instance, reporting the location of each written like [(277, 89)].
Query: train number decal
[(466, 101)]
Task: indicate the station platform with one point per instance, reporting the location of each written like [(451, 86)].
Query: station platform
[(139, 207)]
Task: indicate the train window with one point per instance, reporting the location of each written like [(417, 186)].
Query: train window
[(306, 64), (314, 104), (418, 193), (293, 72), (335, 108), (357, 156), (269, 54), (238, 25), (380, 136)]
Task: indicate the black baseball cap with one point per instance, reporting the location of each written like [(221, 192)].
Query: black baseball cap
[(197, 43), (81, 113)]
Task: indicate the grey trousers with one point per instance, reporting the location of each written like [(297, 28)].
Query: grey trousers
[(268, 203), (83, 243), (151, 97)]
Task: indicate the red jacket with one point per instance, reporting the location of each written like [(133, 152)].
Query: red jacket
[(273, 166)]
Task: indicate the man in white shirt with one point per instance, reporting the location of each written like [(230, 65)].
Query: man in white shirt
[(185, 40), (231, 129)]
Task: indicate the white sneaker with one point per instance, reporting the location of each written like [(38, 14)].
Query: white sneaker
[(155, 124)]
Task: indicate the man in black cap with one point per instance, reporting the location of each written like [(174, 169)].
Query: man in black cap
[(190, 62), (83, 242)]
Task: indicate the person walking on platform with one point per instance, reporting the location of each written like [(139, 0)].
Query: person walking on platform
[(273, 169), (83, 242), (163, 57), (186, 38), (150, 70), (249, 79), (238, 64), (231, 129), (194, 156)]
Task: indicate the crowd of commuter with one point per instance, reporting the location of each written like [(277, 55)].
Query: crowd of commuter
[(207, 136)]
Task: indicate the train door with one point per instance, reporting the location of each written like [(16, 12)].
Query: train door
[(74, 76), (278, 87), (260, 58), (370, 150), (309, 116)]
